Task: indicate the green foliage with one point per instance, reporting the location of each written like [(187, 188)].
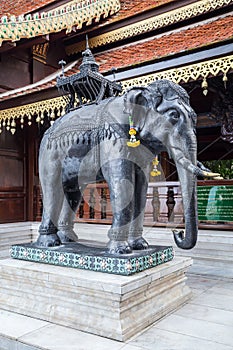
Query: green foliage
[(223, 167)]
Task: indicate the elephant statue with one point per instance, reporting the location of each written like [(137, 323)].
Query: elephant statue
[(91, 144)]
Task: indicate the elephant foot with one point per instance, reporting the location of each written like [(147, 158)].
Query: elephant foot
[(49, 240), (67, 236), (116, 247), (138, 244)]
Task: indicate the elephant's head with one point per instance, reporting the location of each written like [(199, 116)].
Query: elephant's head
[(163, 116)]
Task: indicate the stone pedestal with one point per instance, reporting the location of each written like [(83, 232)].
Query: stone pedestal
[(116, 307)]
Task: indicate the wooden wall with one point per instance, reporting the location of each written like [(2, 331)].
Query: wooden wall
[(12, 177)]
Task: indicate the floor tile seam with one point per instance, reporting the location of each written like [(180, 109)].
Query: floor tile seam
[(127, 343), (142, 331), (6, 336), (213, 277), (196, 296), (199, 319), (227, 280), (200, 290), (192, 302), (207, 276), (194, 338), (212, 307), (39, 329), (206, 290), (191, 336), (209, 321), (212, 293), (220, 294), (32, 346)]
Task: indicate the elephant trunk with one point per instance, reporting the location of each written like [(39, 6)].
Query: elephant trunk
[(188, 239), (188, 172)]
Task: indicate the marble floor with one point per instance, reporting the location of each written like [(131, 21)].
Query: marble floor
[(205, 322)]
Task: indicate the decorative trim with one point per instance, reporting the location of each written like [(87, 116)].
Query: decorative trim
[(39, 52), (160, 21), (102, 262), (197, 71), (68, 16), (56, 107)]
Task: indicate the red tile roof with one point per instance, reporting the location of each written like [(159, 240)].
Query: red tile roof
[(19, 7), (130, 55), (184, 40), (133, 7)]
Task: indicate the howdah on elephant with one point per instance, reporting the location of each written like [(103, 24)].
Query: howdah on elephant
[(91, 144)]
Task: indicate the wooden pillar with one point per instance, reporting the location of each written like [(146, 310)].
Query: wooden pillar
[(31, 168)]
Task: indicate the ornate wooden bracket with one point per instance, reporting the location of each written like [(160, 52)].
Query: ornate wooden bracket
[(222, 107)]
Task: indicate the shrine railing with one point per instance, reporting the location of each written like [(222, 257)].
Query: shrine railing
[(163, 206)]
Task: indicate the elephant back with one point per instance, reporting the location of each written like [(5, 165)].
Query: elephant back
[(87, 125)]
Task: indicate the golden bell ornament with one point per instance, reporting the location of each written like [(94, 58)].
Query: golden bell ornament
[(225, 79), (133, 142), (155, 171), (204, 86)]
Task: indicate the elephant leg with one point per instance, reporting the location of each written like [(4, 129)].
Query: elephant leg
[(66, 221), (47, 233), (136, 241), (73, 196), (52, 202), (119, 176)]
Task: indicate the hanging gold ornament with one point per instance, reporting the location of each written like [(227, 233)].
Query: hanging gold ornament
[(52, 115), (13, 127), (225, 79), (63, 112), (42, 118), (21, 122), (8, 125), (204, 86), (155, 171), (133, 142)]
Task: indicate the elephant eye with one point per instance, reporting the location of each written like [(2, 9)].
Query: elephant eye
[(173, 115)]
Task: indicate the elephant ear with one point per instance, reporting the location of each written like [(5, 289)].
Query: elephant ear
[(137, 101), (169, 90)]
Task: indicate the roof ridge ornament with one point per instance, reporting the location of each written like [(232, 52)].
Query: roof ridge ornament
[(87, 43), (62, 63), (87, 86)]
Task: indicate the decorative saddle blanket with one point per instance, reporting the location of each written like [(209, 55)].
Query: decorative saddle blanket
[(87, 125)]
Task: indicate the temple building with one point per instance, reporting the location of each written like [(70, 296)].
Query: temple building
[(133, 43)]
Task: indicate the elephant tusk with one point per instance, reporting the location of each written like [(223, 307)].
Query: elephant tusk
[(218, 178), (210, 174)]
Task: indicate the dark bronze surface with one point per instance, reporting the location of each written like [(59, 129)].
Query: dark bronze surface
[(88, 85)]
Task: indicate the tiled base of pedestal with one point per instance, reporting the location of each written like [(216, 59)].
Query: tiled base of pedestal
[(112, 306), (94, 258)]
